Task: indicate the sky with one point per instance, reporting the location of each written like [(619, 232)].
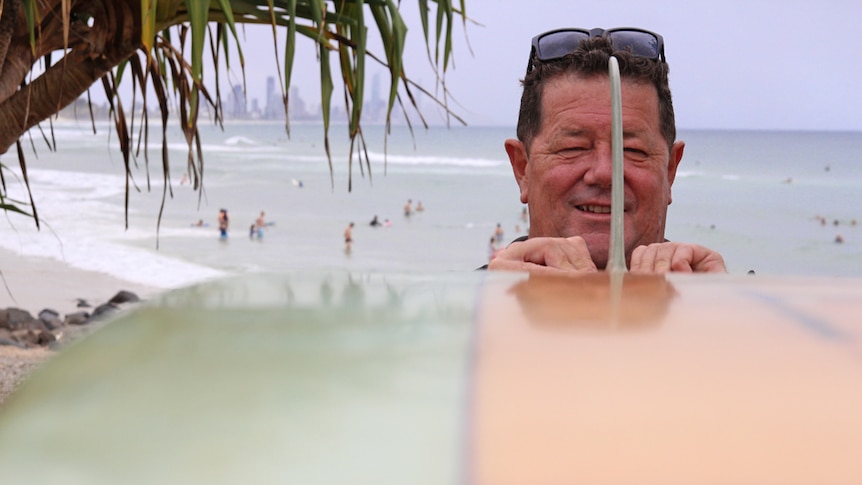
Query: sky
[(735, 64)]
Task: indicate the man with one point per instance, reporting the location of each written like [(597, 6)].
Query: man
[(408, 208), (223, 223), (499, 234), (562, 157), (259, 224), (348, 237)]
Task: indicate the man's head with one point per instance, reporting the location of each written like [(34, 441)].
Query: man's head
[(562, 158)]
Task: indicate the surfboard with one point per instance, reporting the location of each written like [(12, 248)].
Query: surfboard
[(481, 377)]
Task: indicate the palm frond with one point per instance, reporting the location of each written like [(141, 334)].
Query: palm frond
[(163, 55)]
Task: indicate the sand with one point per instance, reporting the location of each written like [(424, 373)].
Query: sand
[(33, 284)]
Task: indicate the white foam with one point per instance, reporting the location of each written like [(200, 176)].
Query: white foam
[(81, 229), (182, 147), (689, 173), (433, 160), (121, 261), (239, 140)]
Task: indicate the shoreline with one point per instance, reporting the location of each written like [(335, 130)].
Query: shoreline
[(37, 283)]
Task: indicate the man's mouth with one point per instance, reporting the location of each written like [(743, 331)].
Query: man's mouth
[(595, 209)]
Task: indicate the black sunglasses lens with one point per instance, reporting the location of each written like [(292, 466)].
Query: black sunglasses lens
[(557, 44), (638, 43)]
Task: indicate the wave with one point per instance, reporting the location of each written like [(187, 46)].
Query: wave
[(66, 186), (236, 147), (239, 140), (118, 260), (253, 153), (83, 227), (434, 160), (683, 174), (689, 174)]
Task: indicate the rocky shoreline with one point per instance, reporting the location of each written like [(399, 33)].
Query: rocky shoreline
[(27, 341)]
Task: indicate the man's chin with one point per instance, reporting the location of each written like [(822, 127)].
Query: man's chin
[(599, 247)]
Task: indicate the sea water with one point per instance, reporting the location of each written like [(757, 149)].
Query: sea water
[(760, 198)]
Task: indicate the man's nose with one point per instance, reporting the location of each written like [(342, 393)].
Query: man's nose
[(600, 171)]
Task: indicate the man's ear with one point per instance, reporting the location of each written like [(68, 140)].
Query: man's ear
[(676, 152), (518, 158)]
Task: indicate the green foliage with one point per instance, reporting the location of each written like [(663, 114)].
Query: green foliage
[(159, 65)]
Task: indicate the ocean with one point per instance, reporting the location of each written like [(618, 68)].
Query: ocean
[(773, 202)]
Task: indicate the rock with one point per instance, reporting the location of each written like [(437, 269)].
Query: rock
[(104, 309), (31, 338), (82, 303), (25, 337), (48, 312), (77, 318), (51, 319), (14, 318), (6, 341), (124, 297), (6, 338), (45, 337), (20, 329)]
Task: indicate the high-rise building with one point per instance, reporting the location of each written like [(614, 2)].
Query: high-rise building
[(236, 105)]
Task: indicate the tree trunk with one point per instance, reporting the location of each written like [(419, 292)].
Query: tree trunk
[(114, 36)]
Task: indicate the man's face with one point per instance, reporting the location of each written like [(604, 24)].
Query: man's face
[(566, 176)]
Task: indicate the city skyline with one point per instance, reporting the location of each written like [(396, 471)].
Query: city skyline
[(239, 105)]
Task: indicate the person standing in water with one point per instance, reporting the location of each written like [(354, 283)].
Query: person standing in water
[(259, 224), (499, 234), (348, 237), (223, 223)]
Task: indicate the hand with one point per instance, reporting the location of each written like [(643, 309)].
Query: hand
[(546, 255), (676, 257)]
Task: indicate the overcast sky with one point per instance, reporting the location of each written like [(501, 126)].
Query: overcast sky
[(735, 64)]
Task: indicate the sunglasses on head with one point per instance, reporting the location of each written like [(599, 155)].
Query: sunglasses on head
[(555, 44)]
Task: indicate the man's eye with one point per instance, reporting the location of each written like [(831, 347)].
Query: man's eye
[(635, 152)]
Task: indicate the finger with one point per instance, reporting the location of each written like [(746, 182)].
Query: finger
[(563, 255), (681, 258), (500, 263), (705, 260), (504, 264), (569, 254), (646, 259), (576, 255), (638, 261), (676, 257), (654, 258)]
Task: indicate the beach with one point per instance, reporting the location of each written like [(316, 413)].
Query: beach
[(778, 203), (35, 283)]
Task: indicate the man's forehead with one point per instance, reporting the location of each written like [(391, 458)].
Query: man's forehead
[(564, 92), (572, 80), (574, 93)]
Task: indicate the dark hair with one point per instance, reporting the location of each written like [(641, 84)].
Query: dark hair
[(590, 59)]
